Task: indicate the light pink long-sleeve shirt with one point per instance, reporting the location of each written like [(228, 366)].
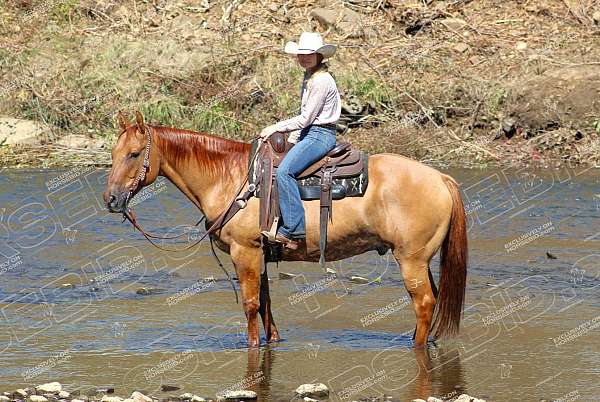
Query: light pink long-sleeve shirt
[(320, 104)]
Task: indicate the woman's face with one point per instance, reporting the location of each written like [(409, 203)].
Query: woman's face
[(308, 61)]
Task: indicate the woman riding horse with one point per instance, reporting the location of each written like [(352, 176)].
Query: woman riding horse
[(408, 208), (320, 110)]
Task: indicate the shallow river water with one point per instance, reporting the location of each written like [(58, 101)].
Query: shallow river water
[(70, 309)]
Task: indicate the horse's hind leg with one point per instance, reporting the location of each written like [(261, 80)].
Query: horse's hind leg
[(271, 332), (417, 282)]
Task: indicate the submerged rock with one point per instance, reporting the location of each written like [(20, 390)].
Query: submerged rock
[(359, 279), (63, 394), (313, 390), (467, 398), (146, 291), (286, 275), (167, 388), (51, 387), (239, 394)]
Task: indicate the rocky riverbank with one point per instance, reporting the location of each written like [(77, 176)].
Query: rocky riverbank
[(54, 392)]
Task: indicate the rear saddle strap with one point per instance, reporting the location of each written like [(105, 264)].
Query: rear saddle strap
[(325, 210)]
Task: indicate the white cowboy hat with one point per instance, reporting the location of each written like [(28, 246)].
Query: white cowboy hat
[(310, 42)]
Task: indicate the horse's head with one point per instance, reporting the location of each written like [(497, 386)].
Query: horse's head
[(135, 163)]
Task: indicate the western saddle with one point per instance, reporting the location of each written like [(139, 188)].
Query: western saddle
[(343, 172)]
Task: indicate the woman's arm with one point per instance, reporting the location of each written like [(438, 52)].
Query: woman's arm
[(315, 100)]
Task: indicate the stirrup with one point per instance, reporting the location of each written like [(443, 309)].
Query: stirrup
[(279, 238), (268, 235), (271, 233)]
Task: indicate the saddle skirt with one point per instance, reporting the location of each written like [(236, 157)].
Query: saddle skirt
[(349, 168), (343, 172)]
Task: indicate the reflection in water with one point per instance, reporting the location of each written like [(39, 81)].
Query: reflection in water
[(441, 373), (260, 372), (53, 302), (438, 372)]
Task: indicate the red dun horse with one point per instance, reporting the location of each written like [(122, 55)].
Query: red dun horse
[(409, 208)]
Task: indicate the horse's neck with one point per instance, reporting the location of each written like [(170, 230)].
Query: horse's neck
[(211, 190)]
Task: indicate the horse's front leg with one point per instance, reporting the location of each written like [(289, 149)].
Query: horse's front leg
[(247, 266), (271, 332)]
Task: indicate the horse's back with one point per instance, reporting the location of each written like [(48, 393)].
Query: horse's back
[(408, 175)]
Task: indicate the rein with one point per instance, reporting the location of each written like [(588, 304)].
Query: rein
[(239, 202), (128, 213)]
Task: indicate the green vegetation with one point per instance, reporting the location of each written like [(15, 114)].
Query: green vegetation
[(367, 89), (497, 99), (40, 110), (168, 111), (215, 120), (64, 11)]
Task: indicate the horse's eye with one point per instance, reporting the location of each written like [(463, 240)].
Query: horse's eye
[(134, 155)]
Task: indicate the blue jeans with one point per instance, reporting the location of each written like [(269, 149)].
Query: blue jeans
[(314, 143)]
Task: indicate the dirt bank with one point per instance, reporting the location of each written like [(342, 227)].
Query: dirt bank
[(446, 82)]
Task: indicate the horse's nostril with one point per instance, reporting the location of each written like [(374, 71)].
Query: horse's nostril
[(112, 201)]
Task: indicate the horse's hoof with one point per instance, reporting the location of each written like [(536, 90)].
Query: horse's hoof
[(274, 338)]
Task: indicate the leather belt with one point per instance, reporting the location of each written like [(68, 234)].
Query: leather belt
[(332, 126)]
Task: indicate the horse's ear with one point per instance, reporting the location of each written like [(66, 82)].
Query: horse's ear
[(139, 119), (123, 121)]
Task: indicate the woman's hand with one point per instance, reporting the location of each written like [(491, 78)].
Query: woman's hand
[(267, 131)]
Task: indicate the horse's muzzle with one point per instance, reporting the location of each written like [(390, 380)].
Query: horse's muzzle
[(116, 202)]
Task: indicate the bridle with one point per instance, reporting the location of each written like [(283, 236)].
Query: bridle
[(238, 203), (129, 215), (145, 166)]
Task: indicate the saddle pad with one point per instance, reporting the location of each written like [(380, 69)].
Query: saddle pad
[(310, 187), (354, 186)]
